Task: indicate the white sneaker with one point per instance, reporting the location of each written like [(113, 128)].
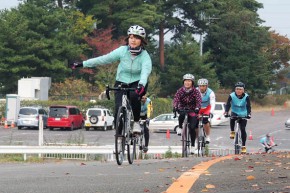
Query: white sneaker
[(193, 150), (207, 139), (136, 127), (178, 131)]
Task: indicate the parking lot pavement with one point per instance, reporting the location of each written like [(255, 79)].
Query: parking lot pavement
[(267, 173)]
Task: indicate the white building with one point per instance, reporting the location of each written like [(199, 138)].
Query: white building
[(34, 88)]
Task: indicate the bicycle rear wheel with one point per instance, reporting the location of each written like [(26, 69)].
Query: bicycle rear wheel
[(120, 135)]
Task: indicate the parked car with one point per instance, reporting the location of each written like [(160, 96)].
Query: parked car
[(29, 117), (66, 117), (218, 114), (287, 123), (99, 118), (164, 122)]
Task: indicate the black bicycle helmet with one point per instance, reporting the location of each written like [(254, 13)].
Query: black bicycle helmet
[(240, 84)]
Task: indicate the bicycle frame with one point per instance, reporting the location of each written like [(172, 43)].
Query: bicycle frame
[(123, 127), (185, 136), (201, 136), (238, 135)]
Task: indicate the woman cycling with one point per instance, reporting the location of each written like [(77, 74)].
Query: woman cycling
[(241, 106), (189, 98), (133, 70)]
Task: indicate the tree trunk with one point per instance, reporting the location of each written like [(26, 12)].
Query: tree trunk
[(161, 45), (59, 3)]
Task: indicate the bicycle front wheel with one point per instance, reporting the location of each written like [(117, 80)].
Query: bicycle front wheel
[(184, 140), (238, 142), (120, 135), (201, 146), (131, 150)]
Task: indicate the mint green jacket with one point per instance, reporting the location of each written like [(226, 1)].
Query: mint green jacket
[(129, 69)]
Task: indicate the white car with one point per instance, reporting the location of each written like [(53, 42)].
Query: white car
[(99, 118), (164, 122), (218, 114)]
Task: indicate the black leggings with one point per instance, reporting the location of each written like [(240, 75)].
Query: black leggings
[(243, 124), (134, 99), (191, 125)]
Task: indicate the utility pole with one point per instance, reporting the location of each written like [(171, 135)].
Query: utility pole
[(202, 17)]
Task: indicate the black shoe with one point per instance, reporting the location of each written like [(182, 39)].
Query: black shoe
[(145, 149)]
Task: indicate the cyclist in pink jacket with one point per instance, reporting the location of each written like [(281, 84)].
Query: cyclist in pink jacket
[(189, 98)]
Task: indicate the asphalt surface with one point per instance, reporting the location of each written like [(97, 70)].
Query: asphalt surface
[(267, 173), (261, 173)]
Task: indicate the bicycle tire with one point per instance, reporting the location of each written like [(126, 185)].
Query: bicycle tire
[(184, 140), (120, 134), (131, 150), (237, 143), (130, 140)]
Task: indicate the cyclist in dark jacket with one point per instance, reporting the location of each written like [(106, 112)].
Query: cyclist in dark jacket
[(240, 103), (188, 97)]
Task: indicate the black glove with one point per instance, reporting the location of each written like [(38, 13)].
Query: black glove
[(211, 115), (196, 110), (226, 114), (248, 116), (174, 110), (140, 90), (75, 65)]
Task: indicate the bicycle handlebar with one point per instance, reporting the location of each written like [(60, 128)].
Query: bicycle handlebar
[(126, 89), (238, 117), (182, 111)]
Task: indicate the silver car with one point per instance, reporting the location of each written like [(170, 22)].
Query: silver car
[(29, 117), (164, 122)]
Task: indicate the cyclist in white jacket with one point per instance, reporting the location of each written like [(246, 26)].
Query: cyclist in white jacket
[(207, 105)]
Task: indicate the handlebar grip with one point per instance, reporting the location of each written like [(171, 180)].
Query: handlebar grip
[(108, 92)]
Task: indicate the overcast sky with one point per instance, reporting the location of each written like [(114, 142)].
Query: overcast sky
[(276, 14)]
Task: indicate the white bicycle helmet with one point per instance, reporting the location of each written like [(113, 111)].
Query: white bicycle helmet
[(188, 77), (137, 30), (202, 81)]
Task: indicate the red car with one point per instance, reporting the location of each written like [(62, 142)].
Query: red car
[(66, 117)]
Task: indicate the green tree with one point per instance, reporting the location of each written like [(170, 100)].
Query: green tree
[(237, 43), (37, 39), (120, 14), (182, 58)]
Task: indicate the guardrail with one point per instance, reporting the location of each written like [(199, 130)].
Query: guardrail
[(107, 150)]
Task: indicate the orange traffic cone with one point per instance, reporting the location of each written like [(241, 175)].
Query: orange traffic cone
[(250, 136), (272, 112), (5, 125), (12, 124), (168, 134)]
